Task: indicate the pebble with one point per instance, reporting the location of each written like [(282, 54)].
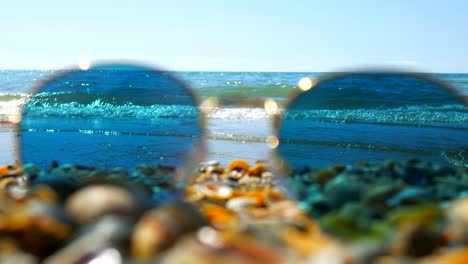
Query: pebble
[(379, 193), (258, 169), (424, 215), (457, 216), (410, 196), (241, 203), (160, 228), (324, 176), (91, 202), (340, 191), (417, 172), (417, 241), (239, 166), (109, 230), (32, 171), (32, 222), (219, 216)]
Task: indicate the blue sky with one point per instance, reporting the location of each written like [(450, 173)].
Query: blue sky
[(241, 35)]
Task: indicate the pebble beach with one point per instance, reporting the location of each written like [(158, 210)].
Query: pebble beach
[(393, 212)]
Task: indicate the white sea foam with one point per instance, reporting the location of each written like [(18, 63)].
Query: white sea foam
[(99, 109), (239, 113), (448, 114), (10, 107)]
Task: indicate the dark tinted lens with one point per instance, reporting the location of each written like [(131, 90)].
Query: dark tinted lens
[(109, 116), (374, 117)]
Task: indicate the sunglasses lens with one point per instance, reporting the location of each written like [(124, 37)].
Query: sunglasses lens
[(110, 116), (374, 118), (371, 151)]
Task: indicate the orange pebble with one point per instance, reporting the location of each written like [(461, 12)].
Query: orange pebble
[(259, 196), (218, 215), (238, 165), (274, 194), (258, 169), (3, 171)]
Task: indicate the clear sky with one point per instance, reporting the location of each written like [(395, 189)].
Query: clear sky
[(237, 35)]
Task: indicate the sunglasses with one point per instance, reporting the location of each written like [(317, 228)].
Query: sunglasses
[(336, 140), (122, 115)]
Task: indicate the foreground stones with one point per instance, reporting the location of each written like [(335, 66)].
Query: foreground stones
[(369, 213)]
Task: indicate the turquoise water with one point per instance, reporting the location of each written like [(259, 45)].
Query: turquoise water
[(238, 132)]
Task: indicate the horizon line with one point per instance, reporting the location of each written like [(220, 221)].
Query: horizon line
[(256, 71)]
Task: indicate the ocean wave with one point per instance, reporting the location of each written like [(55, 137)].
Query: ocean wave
[(447, 114), (6, 97), (239, 113), (410, 115), (100, 109), (10, 106), (135, 96), (97, 105)]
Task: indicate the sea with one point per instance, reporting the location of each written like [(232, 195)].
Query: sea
[(122, 126)]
